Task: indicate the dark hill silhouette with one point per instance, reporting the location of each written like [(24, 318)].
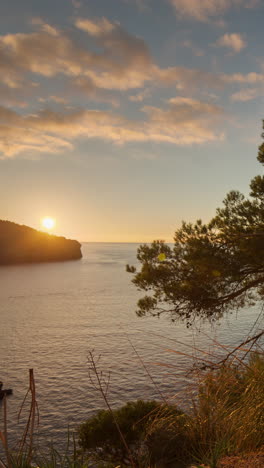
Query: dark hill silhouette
[(22, 244)]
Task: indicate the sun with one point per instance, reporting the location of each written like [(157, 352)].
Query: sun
[(48, 223)]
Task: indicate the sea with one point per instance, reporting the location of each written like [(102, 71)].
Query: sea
[(60, 319)]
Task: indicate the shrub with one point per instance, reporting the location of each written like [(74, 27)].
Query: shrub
[(99, 434), (167, 439), (227, 417)]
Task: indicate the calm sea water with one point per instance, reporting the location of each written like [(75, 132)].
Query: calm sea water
[(52, 315)]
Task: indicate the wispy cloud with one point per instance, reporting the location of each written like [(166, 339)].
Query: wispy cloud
[(184, 78), (183, 122), (12, 96), (139, 97), (122, 63), (206, 10), (232, 41), (247, 78), (101, 27), (247, 94), (18, 136), (57, 99), (125, 62)]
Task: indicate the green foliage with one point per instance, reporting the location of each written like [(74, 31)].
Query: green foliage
[(261, 150), (227, 417), (130, 269), (20, 461), (52, 459), (212, 267), (99, 434)]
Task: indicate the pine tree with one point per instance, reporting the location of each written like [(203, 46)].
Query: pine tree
[(213, 268)]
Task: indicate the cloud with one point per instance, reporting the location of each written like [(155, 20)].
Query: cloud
[(12, 96), (139, 97), (126, 61), (18, 136), (184, 78), (206, 10), (183, 122), (98, 28), (122, 63), (57, 99), (232, 41), (36, 21), (248, 78), (247, 94), (44, 54), (86, 87)]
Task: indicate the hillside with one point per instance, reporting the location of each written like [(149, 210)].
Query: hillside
[(22, 244)]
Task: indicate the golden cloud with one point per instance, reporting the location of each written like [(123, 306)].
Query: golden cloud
[(247, 94), (233, 41), (184, 122), (205, 10), (124, 63)]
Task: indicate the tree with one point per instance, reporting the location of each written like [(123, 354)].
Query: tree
[(212, 268)]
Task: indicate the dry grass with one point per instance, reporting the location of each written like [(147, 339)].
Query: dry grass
[(228, 417), (251, 460), (224, 427)]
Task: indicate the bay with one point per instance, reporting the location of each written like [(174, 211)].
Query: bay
[(51, 317)]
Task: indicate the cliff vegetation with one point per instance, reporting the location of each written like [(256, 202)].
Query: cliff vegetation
[(23, 244)]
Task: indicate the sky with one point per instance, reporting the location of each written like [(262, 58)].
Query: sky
[(121, 118)]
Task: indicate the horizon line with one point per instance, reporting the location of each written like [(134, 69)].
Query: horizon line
[(123, 242)]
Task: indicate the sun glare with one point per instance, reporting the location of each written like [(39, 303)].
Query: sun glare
[(48, 223)]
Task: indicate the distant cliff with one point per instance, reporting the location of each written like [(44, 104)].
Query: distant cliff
[(22, 244)]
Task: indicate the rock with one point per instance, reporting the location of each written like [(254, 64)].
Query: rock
[(22, 244)]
